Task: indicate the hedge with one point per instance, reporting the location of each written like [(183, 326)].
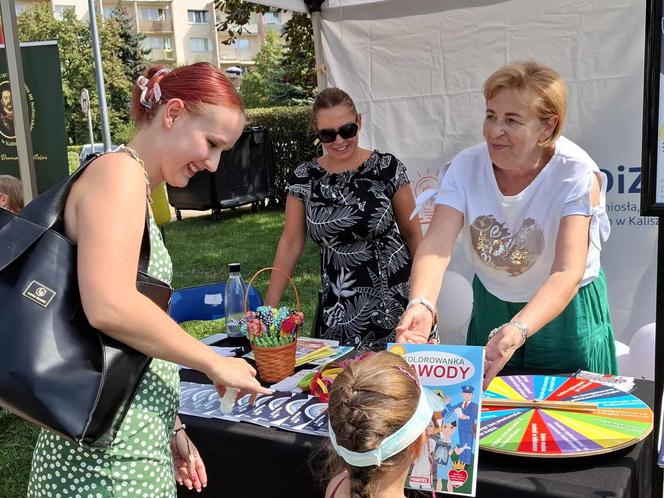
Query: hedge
[(291, 138)]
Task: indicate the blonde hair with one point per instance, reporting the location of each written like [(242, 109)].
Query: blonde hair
[(545, 87), (13, 188), (371, 399)]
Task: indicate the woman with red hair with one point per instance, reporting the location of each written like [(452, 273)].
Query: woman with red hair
[(185, 118)]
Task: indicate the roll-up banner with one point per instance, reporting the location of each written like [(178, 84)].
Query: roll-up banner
[(46, 114)]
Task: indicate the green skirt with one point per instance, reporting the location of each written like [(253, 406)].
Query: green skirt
[(581, 337)]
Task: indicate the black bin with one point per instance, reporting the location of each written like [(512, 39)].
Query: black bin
[(245, 176)]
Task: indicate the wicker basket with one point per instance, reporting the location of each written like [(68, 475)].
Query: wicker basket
[(276, 363)]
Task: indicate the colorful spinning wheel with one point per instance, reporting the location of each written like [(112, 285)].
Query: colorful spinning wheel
[(619, 419)]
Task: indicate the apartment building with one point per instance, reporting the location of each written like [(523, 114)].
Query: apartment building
[(182, 31)]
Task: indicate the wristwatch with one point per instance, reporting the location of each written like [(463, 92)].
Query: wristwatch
[(427, 304)]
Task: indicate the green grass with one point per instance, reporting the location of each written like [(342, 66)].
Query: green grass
[(18, 439), (201, 250), (72, 160)]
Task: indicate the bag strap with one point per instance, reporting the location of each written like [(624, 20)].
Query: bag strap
[(48, 208), (144, 255), (47, 212)]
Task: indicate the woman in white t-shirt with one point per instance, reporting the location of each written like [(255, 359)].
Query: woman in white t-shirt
[(530, 206)]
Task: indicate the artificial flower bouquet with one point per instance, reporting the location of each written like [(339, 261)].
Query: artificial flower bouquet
[(269, 327), (272, 333)]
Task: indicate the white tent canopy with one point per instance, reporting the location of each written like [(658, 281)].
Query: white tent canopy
[(415, 69)]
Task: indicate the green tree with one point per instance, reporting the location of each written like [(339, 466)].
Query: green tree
[(77, 67), (236, 14), (297, 78), (132, 54), (299, 60), (261, 86)]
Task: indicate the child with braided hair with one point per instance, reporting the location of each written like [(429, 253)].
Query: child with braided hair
[(378, 415)]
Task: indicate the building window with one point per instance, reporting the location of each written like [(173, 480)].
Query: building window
[(199, 44), (271, 18), (150, 14), (198, 17), (59, 11), (108, 13), (19, 8), (240, 43), (157, 43)]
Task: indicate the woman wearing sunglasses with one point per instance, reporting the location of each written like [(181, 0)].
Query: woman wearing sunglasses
[(355, 204)]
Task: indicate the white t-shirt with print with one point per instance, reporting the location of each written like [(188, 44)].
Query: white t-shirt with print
[(511, 240)]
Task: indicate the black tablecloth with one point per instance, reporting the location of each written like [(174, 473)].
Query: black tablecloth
[(245, 460)]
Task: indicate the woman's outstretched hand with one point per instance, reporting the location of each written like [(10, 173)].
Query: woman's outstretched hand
[(415, 325), (498, 352), (236, 372)]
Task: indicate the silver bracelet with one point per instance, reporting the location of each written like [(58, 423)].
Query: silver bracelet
[(523, 328), (427, 304)]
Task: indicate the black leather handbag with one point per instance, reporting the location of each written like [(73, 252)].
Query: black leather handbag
[(56, 370)]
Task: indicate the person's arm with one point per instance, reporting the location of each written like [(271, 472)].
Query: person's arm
[(431, 260), (553, 296), (187, 462), (403, 204), (105, 216), (289, 250)]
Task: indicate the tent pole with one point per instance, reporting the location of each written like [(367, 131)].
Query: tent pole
[(17, 85), (657, 474), (99, 73), (321, 78)]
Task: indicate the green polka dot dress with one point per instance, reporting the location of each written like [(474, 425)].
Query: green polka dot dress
[(139, 463)]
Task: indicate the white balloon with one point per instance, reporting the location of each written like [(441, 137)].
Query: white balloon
[(625, 367), (622, 349), (455, 304), (641, 362), (622, 353)]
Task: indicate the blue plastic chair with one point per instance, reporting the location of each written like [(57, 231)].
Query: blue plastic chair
[(204, 302)]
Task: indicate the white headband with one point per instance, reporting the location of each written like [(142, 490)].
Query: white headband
[(142, 83), (399, 440)]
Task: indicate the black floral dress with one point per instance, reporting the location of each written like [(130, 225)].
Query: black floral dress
[(365, 263)]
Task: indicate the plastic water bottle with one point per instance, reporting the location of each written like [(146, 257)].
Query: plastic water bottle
[(234, 300)]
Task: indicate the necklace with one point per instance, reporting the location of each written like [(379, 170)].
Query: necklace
[(134, 155)]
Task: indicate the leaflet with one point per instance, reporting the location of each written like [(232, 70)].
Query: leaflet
[(201, 400), (311, 411), (287, 409), (262, 413)]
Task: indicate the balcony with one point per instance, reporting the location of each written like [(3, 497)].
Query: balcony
[(162, 54), (237, 54), (250, 29), (161, 26)]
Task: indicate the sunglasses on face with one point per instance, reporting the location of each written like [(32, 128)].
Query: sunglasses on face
[(327, 135)]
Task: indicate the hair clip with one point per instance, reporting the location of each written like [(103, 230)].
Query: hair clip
[(410, 373), (142, 82)]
